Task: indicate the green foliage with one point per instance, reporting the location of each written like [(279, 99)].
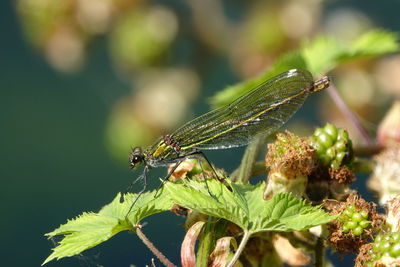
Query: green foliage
[(241, 204), (324, 53), (319, 56), (90, 229), (288, 61), (245, 207)]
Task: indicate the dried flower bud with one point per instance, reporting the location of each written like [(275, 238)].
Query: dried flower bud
[(385, 179), (290, 160), (389, 128), (393, 217)]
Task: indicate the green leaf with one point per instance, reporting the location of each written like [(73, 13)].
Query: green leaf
[(286, 62), (91, 229), (374, 43), (319, 56), (193, 194), (294, 214), (83, 232), (244, 206), (323, 54), (149, 203)]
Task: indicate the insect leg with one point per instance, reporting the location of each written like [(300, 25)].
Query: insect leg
[(144, 177), (168, 175), (129, 188), (198, 155), (209, 163)]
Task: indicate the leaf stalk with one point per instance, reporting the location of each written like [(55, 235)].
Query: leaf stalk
[(243, 242)]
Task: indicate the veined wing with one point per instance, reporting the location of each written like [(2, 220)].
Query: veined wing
[(260, 111)]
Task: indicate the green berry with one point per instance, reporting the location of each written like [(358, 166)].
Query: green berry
[(318, 132), (333, 146), (325, 140), (351, 225), (331, 153), (331, 130), (340, 156), (376, 246), (395, 250), (364, 214), (357, 231), (375, 256), (345, 229), (348, 213), (364, 224), (342, 135), (385, 247), (357, 217), (340, 145), (387, 238), (395, 237), (351, 207), (378, 238), (318, 146)]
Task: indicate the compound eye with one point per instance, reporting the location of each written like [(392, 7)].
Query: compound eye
[(136, 159)]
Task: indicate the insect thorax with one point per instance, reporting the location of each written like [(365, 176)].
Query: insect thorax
[(165, 151)]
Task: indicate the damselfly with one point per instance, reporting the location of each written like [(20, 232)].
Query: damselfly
[(259, 112)]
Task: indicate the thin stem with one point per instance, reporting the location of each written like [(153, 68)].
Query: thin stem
[(334, 94), (245, 170), (319, 253), (153, 249), (246, 236)]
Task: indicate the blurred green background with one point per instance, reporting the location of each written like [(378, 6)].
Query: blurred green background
[(84, 80)]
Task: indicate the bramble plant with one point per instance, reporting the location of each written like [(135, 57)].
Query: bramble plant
[(306, 201)]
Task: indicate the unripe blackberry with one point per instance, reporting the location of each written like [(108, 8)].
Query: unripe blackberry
[(385, 249), (354, 220), (334, 148)]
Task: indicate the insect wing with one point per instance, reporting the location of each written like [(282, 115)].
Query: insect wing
[(260, 111)]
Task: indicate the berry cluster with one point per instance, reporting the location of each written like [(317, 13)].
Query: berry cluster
[(384, 245), (334, 148), (354, 221)]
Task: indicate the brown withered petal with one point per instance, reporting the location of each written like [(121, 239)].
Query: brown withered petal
[(343, 175), (289, 254), (182, 170), (179, 210), (220, 255), (188, 257)]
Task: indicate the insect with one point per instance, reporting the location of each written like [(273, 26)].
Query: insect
[(259, 112)]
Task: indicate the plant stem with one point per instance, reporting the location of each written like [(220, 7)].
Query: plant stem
[(244, 172), (153, 249), (333, 93), (207, 241), (319, 253), (246, 236)]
